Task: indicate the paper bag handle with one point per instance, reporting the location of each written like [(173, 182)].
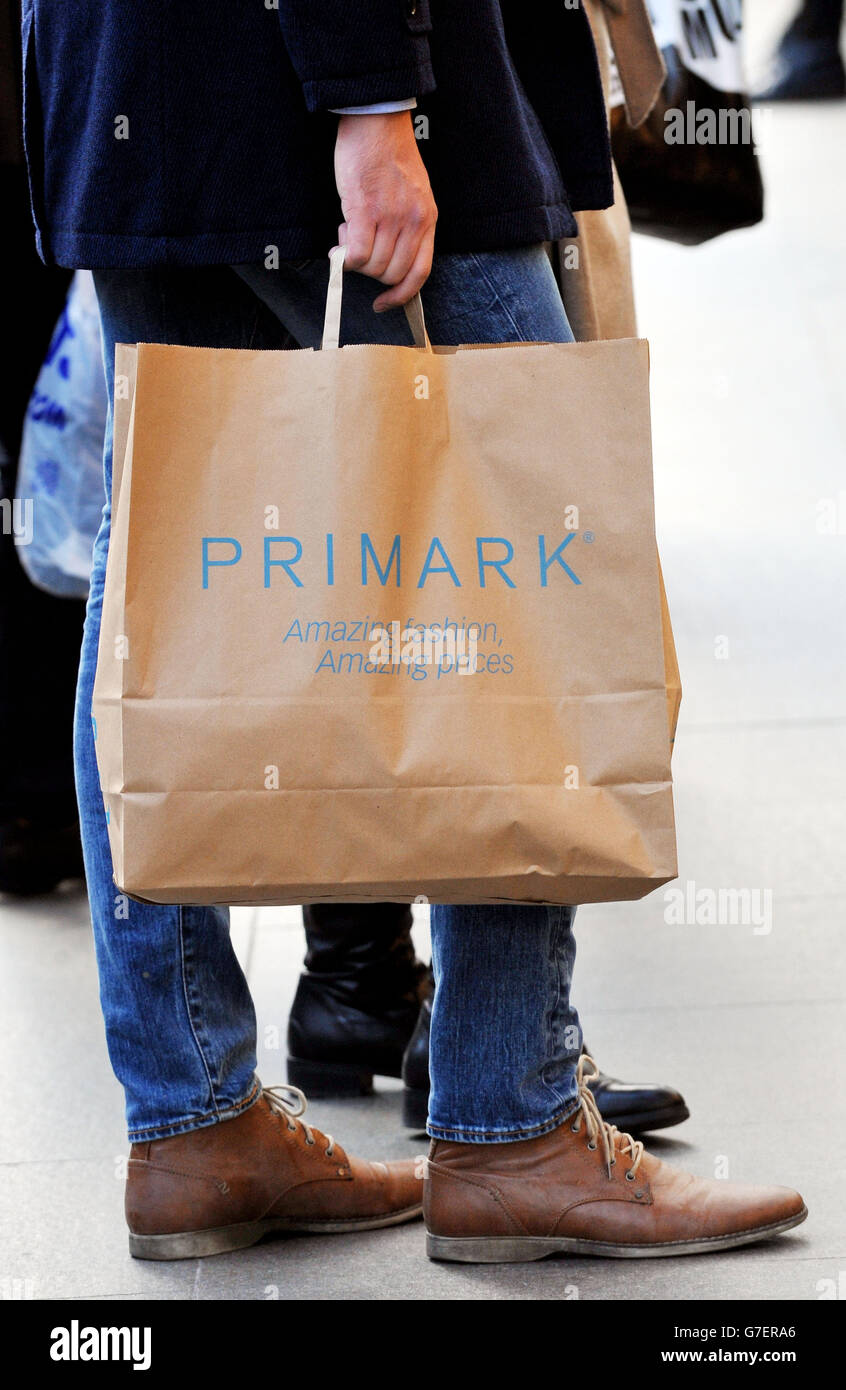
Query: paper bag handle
[(334, 297)]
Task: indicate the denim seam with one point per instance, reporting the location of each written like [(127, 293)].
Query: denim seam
[(186, 996), (500, 302), (479, 1135), (140, 1136), (256, 320), (552, 1012)]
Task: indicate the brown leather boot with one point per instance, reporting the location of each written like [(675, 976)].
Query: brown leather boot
[(227, 1185), (587, 1189)]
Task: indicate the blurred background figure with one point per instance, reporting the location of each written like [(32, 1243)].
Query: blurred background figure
[(39, 634), (808, 62)]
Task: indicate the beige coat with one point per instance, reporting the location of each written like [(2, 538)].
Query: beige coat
[(595, 267)]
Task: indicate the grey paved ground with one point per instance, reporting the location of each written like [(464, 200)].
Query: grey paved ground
[(747, 350)]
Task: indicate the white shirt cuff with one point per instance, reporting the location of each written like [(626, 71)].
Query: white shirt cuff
[(379, 108)]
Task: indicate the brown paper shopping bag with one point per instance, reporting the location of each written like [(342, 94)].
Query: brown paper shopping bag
[(383, 623)]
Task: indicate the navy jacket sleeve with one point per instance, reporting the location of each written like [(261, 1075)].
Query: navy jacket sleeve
[(355, 52)]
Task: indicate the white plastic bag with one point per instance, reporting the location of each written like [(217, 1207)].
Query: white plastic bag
[(707, 36), (60, 474)]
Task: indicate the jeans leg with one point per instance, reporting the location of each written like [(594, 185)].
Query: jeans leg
[(470, 297), (180, 1023), (505, 1040)]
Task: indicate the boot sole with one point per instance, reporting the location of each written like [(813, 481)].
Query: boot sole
[(520, 1249), (193, 1245)]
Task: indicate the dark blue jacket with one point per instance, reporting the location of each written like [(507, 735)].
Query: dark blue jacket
[(192, 132)]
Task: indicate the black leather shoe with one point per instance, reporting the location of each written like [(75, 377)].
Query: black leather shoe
[(632, 1106), (415, 1068), (36, 858), (358, 1000), (637, 1106)]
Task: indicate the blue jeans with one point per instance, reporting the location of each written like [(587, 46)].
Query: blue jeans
[(180, 1023)]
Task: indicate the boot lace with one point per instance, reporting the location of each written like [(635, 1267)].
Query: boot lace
[(291, 1104), (597, 1128)]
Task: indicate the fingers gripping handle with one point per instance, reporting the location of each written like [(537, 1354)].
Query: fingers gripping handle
[(334, 300)]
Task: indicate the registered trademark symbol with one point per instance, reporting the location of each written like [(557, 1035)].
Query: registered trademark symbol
[(588, 537)]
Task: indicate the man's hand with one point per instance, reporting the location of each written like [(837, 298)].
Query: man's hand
[(389, 211)]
